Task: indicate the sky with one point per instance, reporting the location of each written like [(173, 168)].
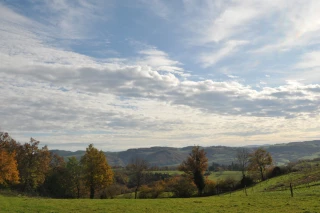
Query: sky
[(127, 74)]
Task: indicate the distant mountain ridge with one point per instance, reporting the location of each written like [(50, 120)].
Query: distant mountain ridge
[(169, 156)]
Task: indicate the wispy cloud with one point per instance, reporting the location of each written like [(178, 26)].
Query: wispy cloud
[(211, 58), (160, 61)]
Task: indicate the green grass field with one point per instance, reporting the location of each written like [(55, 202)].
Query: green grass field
[(256, 201), (225, 174), (269, 196), (213, 176)]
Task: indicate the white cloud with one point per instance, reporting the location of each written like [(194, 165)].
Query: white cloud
[(75, 20), (230, 22), (160, 60), (309, 60), (307, 68), (119, 102), (211, 58)]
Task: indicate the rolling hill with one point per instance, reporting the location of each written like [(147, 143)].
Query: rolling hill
[(169, 156)]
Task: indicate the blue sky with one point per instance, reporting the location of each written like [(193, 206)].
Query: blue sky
[(125, 74)]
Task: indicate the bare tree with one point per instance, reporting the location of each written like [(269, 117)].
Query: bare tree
[(243, 157), (137, 167)]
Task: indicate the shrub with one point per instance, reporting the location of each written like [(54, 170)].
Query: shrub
[(113, 190), (227, 184), (210, 188), (145, 192), (152, 191), (181, 187)]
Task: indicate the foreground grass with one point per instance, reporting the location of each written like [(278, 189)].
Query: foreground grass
[(269, 196), (305, 200)]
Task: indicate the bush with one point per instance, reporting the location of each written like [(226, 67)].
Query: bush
[(210, 188), (182, 187), (113, 190), (226, 185), (153, 191), (145, 192)]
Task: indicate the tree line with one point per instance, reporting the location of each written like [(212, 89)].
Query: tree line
[(30, 169), (34, 170)]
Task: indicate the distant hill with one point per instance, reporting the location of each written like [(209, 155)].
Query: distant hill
[(168, 156)]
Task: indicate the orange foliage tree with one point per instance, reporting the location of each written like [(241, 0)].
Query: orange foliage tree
[(97, 173), (195, 166), (9, 173)]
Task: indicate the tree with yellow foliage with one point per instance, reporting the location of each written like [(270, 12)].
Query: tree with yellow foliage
[(96, 171), (9, 173)]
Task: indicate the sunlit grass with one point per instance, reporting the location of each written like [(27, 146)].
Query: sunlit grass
[(304, 200), (269, 196)]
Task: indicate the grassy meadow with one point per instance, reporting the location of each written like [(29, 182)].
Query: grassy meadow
[(213, 176), (269, 196)]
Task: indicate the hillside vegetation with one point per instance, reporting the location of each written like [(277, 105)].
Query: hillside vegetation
[(168, 156), (272, 195)]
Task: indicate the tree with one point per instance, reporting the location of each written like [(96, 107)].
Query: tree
[(8, 168), (137, 167), (74, 175), (56, 184), (97, 173), (9, 173), (195, 166), (33, 164), (259, 160), (243, 156)]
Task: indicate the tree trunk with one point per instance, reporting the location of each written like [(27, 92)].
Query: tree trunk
[(261, 172), (78, 192), (135, 193), (91, 192)]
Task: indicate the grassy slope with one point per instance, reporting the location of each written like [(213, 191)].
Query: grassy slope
[(269, 196), (305, 200), (279, 201)]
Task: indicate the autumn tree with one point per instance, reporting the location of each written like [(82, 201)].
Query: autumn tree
[(243, 157), (97, 173), (7, 143), (259, 160), (137, 168), (9, 173), (33, 164), (195, 166)]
